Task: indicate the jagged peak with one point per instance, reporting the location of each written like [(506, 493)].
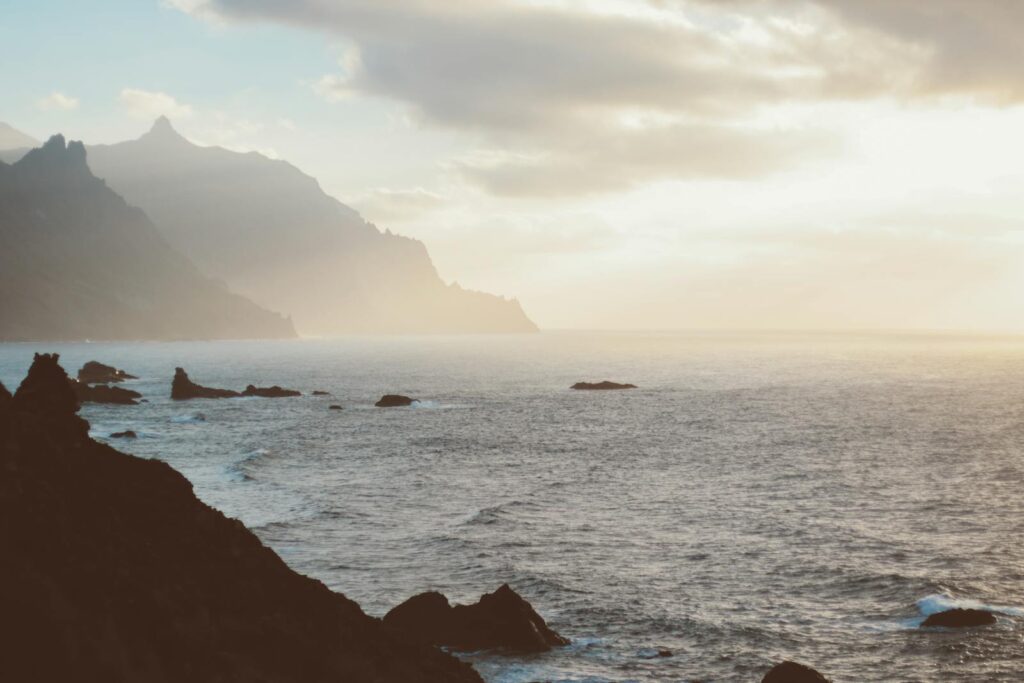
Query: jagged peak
[(163, 131), (46, 393), (57, 153)]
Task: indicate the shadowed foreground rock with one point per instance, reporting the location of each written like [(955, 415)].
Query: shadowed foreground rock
[(791, 672), (500, 620), (601, 386), (114, 571), (94, 372), (394, 401), (960, 618), (183, 389), (270, 392), (101, 393)]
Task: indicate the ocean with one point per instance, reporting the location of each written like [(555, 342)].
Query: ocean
[(759, 497)]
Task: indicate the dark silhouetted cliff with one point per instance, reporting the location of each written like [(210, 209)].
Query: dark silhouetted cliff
[(114, 571), (77, 262), (273, 235)]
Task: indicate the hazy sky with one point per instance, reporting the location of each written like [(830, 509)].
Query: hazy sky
[(640, 164)]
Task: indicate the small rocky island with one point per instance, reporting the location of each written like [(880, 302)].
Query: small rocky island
[(601, 386), (395, 401), (184, 389), (270, 392), (960, 618), (103, 393), (94, 372)]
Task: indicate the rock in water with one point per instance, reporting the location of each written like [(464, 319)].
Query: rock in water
[(960, 618), (95, 372), (335, 407), (101, 393), (500, 620), (394, 401), (270, 392), (114, 571), (183, 389), (126, 434), (318, 392), (791, 672), (601, 386)]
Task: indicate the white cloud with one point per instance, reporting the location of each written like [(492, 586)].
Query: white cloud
[(58, 101), (147, 104)]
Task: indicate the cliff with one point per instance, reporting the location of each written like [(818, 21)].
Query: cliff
[(113, 570)]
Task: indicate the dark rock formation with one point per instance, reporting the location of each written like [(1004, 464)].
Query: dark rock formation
[(601, 386), (270, 392), (114, 571), (183, 389), (499, 620), (95, 372), (335, 407), (321, 393), (394, 401), (126, 434), (791, 672), (960, 618), (101, 393), (78, 262)]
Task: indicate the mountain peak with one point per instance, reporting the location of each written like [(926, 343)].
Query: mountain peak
[(11, 138), (163, 131), (57, 153)]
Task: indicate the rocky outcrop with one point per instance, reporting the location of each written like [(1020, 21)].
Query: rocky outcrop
[(601, 386), (126, 434), (114, 571), (94, 372), (102, 393), (501, 620), (394, 401), (270, 392), (960, 618), (184, 389), (791, 672)]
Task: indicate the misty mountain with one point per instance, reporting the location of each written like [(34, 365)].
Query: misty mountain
[(77, 262), (14, 144), (274, 235)]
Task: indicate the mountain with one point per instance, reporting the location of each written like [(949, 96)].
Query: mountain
[(11, 138), (274, 235), (77, 262)]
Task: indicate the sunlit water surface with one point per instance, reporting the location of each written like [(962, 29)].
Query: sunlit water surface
[(757, 498)]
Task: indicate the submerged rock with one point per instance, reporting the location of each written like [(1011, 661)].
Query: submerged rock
[(270, 392), (960, 618), (601, 386), (126, 434), (791, 672), (394, 401), (183, 389), (113, 570), (102, 393), (499, 620), (335, 407), (318, 392), (95, 372)]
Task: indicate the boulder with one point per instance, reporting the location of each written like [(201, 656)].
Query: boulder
[(501, 620), (791, 672), (183, 389), (113, 570), (102, 393), (126, 434), (601, 386), (394, 401), (95, 372), (270, 392), (960, 618)]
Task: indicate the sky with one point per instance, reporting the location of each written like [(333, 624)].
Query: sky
[(613, 164)]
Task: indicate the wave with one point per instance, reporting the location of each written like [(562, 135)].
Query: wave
[(190, 418), (939, 602)]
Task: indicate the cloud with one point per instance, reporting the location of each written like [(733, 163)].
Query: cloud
[(148, 105), (58, 101)]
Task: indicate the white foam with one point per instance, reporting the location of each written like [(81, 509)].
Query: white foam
[(938, 602)]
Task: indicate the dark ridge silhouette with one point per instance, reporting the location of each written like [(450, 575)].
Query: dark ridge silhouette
[(501, 620), (960, 618), (270, 392), (114, 571), (94, 372), (77, 262), (102, 393), (601, 386), (791, 672), (394, 401), (183, 389), (305, 252)]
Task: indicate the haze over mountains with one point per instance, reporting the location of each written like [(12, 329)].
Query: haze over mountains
[(77, 262), (273, 235)]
